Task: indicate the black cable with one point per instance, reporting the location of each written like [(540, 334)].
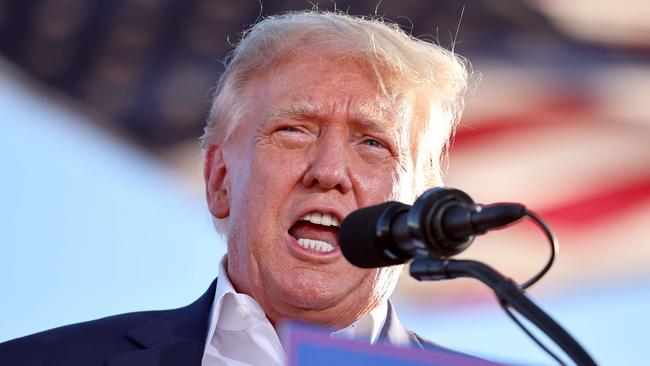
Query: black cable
[(512, 316), (510, 294), (554, 248)]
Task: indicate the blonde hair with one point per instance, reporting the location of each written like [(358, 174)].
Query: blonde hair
[(394, 56)]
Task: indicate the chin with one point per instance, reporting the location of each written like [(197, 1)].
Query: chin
[(313, 290)]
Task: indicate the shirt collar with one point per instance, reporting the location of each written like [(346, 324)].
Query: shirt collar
[(367, 327), (230, 309), (234, 311)]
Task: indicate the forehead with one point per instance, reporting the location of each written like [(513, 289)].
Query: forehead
[(365, 114), (312, 86)]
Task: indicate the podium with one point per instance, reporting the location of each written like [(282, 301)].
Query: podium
[(313, 346)]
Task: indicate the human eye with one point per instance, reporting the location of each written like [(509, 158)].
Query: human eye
[(374, 149), (377, 144), (373, 143), (292, 136), (289, 129), (295, 129)]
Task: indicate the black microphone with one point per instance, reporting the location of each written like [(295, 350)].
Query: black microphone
[(441, 223)]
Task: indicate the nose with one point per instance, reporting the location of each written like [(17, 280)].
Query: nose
[(330, 163)]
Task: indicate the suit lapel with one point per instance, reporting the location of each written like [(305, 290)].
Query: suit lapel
[(174, 337)]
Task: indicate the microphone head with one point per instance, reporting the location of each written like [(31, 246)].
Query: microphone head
[(365, 237)]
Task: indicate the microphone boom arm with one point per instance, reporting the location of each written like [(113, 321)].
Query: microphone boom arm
[(508, 292)]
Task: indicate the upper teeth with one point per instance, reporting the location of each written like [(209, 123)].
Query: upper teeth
[(320, 218)]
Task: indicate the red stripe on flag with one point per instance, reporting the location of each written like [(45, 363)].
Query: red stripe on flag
[(601, 206), (544, 115)]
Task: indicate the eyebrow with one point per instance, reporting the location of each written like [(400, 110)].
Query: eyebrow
[(368, 116), (372, 117), (301, 110)]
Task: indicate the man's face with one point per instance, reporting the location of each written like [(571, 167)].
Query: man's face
[(318, 141)]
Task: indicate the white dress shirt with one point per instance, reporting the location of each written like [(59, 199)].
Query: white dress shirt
[(240, 334)]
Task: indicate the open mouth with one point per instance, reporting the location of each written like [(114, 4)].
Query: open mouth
[(316, 232)]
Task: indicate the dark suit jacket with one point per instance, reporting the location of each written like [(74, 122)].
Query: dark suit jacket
[(166, 337)]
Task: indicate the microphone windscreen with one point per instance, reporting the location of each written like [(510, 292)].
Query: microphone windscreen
[(364, 235)]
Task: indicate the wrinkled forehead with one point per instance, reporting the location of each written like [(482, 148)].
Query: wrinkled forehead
[(371, 95), (369, 92), (382, 113)]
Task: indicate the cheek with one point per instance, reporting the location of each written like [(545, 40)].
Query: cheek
[(245, 191), (262, 181), (274, 174), (376, 184)]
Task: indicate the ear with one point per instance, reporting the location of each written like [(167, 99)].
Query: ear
[(216, 182)]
